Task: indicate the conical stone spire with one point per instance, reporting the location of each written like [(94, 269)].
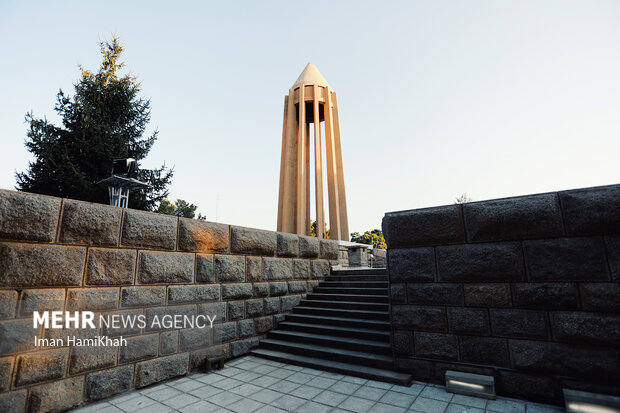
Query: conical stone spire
[(311, 75)]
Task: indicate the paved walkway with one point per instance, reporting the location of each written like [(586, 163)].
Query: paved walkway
[(250, 384)]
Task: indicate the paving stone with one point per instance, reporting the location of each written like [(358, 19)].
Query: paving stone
[(135, 404), (163, 392), (300, 377), (506, 406), (330, 398), (460, 408), (437, 393), (89, 224), (28, 217), (370, 393), (356, 404), (202, 236), (306, 392), (424, 404), (312, 407), (469, 401), (379, 384), (344, 387), (266, 396), (386, 408), (225, 398), (288, 403), (181, 400)]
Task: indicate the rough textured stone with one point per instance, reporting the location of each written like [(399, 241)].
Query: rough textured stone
[(288, 245), (261, 289), (199, 359), (592, 211), (534, 216), (484, 350), (411, 265), (204, 268), (110, 266), (28, 265), (587, 328), (308, 247), (159, 369), (224, 332), (419, 318), (254, 308), (236, 310), (13, 402), (147, 229), (567, 259), (6, 369), (191, 293), (398, 293), (301, 269), (217, 310), (119, 323), (57, 395), (329, 249), (8, 303), (49, 299), (245, 328), (165, 267), (278, 288), (530, 386), (320, 269), (90, 224), (463, 320), (565, 359), (168, 342), (403, 342), (229, 268), (277, 269), (106, 383), (263, 324), (157, 313), (202, 236), (142, 296), (297, 286), (424, 227), (600, 297), (436, 345), (91, 358), (519, 323), (139, 348), (480, 262), (613, 255), (190, 338), (440, 368), (435, 294), (487, 295), (551, 296), (236, 291), (289, 302), (28, 217), (41, 366), (254, 269), (252, 241), (241, 347), (272, 305), (92, 299)]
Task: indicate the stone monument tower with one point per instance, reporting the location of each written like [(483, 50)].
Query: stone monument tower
[(311, 100)]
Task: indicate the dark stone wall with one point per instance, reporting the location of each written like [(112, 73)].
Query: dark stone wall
[(526, 289)]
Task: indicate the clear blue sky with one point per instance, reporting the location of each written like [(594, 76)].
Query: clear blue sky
[(437, 98)]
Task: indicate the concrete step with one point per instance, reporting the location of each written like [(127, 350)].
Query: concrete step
[(349, 343), (360, 271), (336, 312), (339, 321), (350, 305), (383, 278), (362, 333), (335, 366), (350, 291), (354, 284), (370, 298)]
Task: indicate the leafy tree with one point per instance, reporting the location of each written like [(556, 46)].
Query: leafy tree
[(104, 120), (463, 199), (313, 230), (181, 208), (374, 238)]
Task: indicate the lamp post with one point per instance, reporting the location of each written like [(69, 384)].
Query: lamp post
[(123, 180)]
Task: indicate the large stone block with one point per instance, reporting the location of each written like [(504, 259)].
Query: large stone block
[(527, 217), (41, 366), (254, 308), (28, 217), (229, 268), (435, 294), (548, 296), (484, 350), (91, 358), (245, 328), (320, 269), (89, 224), (139, 348), (403, 342), (29, 265), (92, 299), (150, 230), (463, 320), (217, 310), (288, 245), (308, 247), (193, 293), (592, 211), (529, 386), (272, 305), (48, 299), (120, 323), (168, 342), (277, 269), (190, 338), (289, 302), (165, 267), (565, 359), (411, 265), (613, 255), (143, 296), (436, 345), (301, 269), (236, 310), (424, 227), (565, 259), (106, 383), (8, 303), (419, 318), (110, 266), (329, 249), (57, 396), (480, 262), (600, 297), (6, 369), (487, 295), (398, 293), (236, 291), (252, 241), (587, 328), (224, 332), (203, 236), (263, 324), (159, 369), (254, 269), (261, 289), (241, 347), (204, 268), (519, 323), (199, 359), (155, 316), (280, 288), (297, 286)]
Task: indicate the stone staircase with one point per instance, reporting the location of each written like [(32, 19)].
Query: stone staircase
[(343, 326)]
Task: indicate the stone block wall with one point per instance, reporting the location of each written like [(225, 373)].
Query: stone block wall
[(61, 254), (526, 289)]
